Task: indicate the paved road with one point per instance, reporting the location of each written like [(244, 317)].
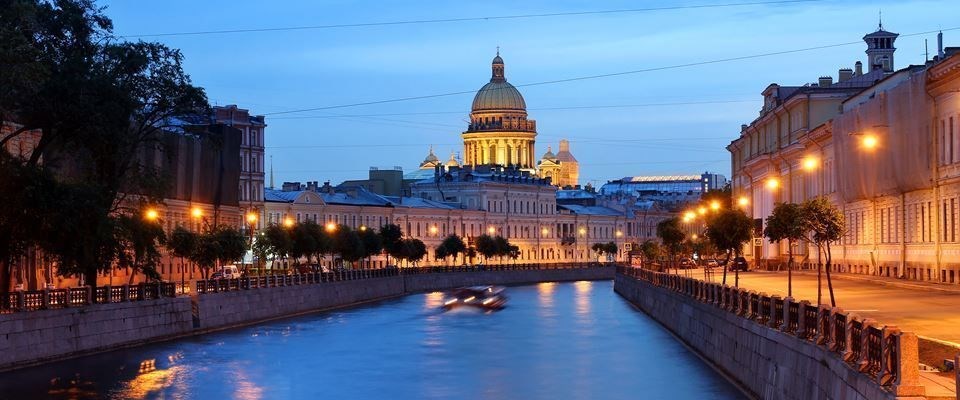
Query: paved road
[(930, 313)]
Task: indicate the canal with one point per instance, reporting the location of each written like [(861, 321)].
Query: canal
[(553, 341)]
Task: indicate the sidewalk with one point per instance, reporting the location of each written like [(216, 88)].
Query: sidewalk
[(880, 280)]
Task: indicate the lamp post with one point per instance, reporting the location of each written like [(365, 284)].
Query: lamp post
[(252, 220)]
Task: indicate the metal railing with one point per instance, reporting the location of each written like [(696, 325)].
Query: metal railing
[(47, 299), (226, 285), (871, 349)]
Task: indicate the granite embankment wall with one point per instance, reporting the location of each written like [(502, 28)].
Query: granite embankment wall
[(35, 337), (764, 361)]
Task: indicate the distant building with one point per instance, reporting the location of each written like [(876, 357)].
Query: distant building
[(670, 192), (251, 156)]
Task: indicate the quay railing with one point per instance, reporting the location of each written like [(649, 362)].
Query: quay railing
[(47, 299), (246, 283), (874, 350), (33, 300)]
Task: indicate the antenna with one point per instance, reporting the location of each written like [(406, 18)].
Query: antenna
[(880, 14), (926, 52), (271, 172)]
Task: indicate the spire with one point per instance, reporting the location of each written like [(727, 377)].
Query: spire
[(880, 18), (271, 172), (497, 66)]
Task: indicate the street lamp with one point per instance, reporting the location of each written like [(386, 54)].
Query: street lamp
[(252, 220), (869, 142), (331, 227), (773, 183), (714, 205), (545, 231), (491, 230), (433, 230), (151, 214), (743, 201), (287, 222), (196, 212), (809, 164), (363, 228)]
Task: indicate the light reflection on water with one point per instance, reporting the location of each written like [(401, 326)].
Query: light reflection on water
[(553, 341)]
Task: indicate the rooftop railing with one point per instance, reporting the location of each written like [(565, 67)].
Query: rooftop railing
[(874, 350)]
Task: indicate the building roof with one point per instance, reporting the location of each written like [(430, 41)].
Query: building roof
[(498, 94), (590, 210), (417, 202), (662, 178), (353, 196), (574, 194)]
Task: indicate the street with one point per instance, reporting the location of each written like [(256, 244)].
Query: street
[(930, 313)]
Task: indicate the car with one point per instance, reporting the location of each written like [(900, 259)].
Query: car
[(739, 264), (687, 263), (226, 272), (712, 264)]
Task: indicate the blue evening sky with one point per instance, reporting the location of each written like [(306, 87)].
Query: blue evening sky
[(269, 72)]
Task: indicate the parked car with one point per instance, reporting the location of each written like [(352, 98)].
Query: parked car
[(226, 272), (712, 264), (687, 263), (739, 264)]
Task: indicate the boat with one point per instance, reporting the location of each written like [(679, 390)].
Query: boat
[(482, 297)]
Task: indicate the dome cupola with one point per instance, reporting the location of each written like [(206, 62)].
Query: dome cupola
[(498, 94)]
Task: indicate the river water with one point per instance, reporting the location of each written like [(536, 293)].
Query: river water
[(553, 341)]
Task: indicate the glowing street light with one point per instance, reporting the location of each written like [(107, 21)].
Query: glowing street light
[(151, 214), (331, 227), (251, 218), (491, 230), (809, 164), (545, 231), (363, 228), (287, 222), (694, 236), (196, 212), (743, 201), (583, 231), (773, 183), (702, 210), (433, 230), (689, 216), (619, 233), (714, 205), (869, 142)]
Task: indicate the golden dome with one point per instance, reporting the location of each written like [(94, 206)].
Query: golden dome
[(498, 94)]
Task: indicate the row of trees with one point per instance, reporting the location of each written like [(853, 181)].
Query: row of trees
[(727, 230)]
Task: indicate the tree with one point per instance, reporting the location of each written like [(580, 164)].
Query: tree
[(413, 250), (787, 222), (303, 241), (452, 245), (277, 241), (826, 225), (487, 246), (98, 103), (503, 247), (372, 243), (672, 236), (139, 246), (650, 250), (232, 243), (729, 230), (182, 244), (609, 249), (346, 242), (392, 238)]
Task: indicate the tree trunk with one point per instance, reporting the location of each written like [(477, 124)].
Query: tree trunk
[(790, 268), (726, 263), (90, 279), (819, 275), (833, 301)]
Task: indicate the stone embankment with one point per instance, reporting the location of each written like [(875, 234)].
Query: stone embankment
[(43, 326), (778, 348)]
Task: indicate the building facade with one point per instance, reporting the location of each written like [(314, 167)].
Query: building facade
[(882, 148), (251, 183)]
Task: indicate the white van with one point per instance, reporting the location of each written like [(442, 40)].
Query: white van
[(226, 272)]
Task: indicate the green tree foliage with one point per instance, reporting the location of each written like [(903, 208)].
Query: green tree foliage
[(451, 245), (392, 238), (277, 241), (826, 225), (221, 244), (672, 237), (139, 245), (729, 230), (413, 250), (651, 250), (347, 243), (787, 222), (372, 242), (487, 246), (304, 241), (182, 243), (97, 103)]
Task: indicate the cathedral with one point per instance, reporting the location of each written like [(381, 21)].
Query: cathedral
[(500, 133)]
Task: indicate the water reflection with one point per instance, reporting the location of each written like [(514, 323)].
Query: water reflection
[(555, 340)]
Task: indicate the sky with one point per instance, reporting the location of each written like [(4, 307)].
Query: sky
[(674, 120)]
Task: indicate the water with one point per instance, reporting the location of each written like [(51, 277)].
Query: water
[(553, 341)]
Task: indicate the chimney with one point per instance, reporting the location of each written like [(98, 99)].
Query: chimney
[(940, 45), (844, 75), (825, 81), (858, 69)]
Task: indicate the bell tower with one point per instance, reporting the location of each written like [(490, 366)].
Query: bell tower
[(880, 49)]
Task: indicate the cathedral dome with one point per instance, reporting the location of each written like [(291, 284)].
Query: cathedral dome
[(549, 155), (498, 94)]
